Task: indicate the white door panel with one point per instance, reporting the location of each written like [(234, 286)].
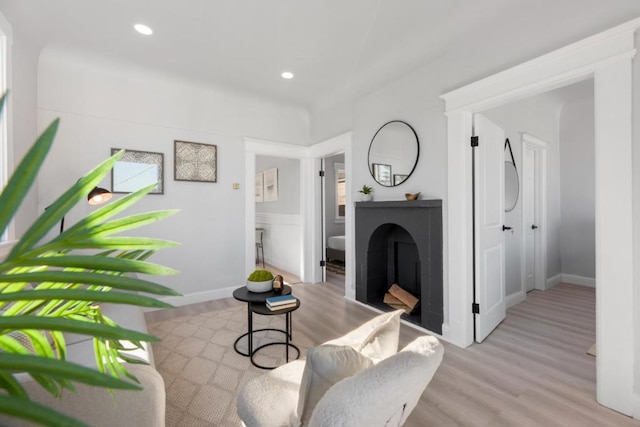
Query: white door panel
[(528, 200), (489, 208)]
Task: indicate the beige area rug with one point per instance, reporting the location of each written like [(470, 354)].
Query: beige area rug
[(201, 370)]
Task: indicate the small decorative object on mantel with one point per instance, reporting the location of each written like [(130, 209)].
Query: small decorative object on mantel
[(366, 192), (412, 196), (260, 281), (278, 284)]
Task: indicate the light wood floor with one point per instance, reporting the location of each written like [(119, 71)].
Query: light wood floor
[(533, 370)]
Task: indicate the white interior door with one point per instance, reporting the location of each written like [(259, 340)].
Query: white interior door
[(489, 221), (529, 212)]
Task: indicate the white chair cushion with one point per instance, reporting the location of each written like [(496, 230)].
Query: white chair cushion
[(383, 395), (326, 365), (271, 399), (376, 339)]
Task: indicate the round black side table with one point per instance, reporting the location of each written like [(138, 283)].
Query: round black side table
[(256, 303)]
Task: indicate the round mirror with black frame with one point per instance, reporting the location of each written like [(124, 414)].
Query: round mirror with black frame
[(393, 153), (511, 180), (511, 186)]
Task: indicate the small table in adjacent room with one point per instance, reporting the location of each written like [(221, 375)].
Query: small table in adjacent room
[(256, 303)]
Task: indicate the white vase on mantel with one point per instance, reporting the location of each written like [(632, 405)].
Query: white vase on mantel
[(366, 197)]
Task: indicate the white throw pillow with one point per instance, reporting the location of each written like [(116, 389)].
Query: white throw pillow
[(325, 366), (376, 339)]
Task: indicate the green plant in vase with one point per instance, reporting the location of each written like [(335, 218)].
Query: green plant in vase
[(49, 287), (367, 193)]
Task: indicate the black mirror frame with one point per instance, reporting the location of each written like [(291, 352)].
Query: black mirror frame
[(415, 164)]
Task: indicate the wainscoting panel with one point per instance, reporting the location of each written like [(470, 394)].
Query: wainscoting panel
[(282, 240)]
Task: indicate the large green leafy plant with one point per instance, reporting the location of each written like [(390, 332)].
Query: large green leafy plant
[(48, 287)]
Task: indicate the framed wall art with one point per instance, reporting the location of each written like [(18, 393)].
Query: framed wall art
[(270, 178), (137, 169), (194, 161), (259, 184), (382, 173)]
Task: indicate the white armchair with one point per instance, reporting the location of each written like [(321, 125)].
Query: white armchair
[(342, 385)]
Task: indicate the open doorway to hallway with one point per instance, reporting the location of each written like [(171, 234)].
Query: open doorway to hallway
[(278, 218), (334, 211)]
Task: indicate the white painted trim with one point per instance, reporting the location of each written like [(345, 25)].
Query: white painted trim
[(606, 57), (579, 280), (636, 406), (515, 298), (278, 218), (263, 147), (553, 281), (340, 144), (310, 270), (196, 297), (6, 123), (563, 66)]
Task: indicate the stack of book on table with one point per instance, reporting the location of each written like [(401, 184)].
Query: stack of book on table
[(281, 302)]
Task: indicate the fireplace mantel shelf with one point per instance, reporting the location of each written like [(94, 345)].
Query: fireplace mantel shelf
[(430, 203)]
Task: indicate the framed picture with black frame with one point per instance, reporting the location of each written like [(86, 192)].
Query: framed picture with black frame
[(137, 169), (382, 174)]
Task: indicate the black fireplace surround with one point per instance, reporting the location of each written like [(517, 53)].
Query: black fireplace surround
[(401, 242)]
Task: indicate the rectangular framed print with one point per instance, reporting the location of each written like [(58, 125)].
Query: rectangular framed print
[(137, 169), (194, 161)]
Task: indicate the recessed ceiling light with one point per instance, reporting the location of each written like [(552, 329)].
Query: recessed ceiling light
[(143, 29), (287, 75)]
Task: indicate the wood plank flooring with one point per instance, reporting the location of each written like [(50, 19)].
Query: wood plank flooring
[(533, 370)]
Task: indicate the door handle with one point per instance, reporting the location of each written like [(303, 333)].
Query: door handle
[(505, 228), (534, 227)]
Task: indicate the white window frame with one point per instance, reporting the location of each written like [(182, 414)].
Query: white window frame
[(6, 163)]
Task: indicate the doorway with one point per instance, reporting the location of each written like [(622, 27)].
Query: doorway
[(607, 58), (334, 211)]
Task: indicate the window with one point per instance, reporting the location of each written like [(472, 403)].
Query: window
[(341, 191), (5, 31)]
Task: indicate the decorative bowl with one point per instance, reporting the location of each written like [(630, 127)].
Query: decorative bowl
[(258, 287), (411, 196)]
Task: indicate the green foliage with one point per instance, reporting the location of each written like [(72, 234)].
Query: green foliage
[(260, 276), (47, 288), (365, 190)]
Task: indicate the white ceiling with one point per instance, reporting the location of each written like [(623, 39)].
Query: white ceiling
[(336, 48)]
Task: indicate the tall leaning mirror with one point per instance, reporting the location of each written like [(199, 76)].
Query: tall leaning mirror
[(393, 153)]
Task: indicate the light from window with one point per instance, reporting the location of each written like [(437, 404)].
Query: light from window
[(341, 191)]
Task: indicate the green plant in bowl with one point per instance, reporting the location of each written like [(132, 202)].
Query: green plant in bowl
[(260, 281)]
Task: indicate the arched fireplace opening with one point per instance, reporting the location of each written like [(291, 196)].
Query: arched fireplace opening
[(401, 243)]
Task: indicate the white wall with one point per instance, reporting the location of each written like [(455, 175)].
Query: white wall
[(577, 171), (22, 104), (537, 116), (281, 219), (104, 105)]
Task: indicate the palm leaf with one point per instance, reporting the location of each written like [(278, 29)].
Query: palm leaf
[(25, 409)]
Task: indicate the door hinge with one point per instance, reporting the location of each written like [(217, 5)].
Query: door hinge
[(321, 174), (475, 308), (323, 263), (474, 141)]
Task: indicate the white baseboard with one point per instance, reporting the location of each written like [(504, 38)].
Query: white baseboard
[(636, 406), (197, 297), (555, 280), (515, 298), (578, 280)]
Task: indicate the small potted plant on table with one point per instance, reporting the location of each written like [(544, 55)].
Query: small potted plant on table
[(260, 281)]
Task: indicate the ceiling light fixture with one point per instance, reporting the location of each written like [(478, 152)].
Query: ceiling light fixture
[(287, 75), (143, 29)]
